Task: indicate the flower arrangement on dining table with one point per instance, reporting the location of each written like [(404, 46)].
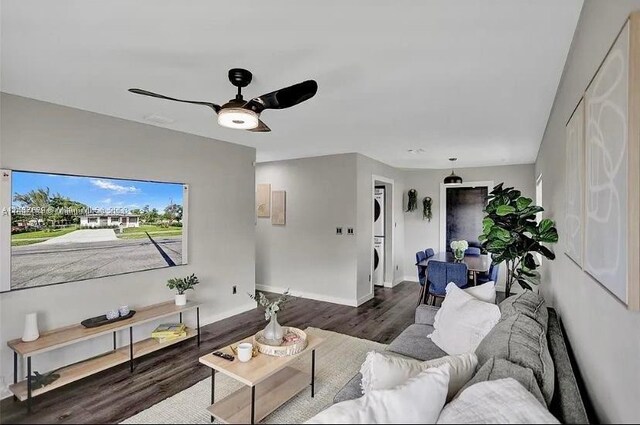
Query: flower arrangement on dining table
[(458, 248)]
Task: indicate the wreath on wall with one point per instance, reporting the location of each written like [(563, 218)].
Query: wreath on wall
[(426, 208), (413, 200)]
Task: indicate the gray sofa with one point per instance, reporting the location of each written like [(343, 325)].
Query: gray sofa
[(527, 344)]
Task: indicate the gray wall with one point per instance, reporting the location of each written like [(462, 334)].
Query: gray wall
[(421, 234), (306, 255), (604, 335), (44, 137)]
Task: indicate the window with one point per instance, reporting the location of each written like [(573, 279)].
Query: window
[(133, 219), (93, 220), (539, 203), (539, 196)]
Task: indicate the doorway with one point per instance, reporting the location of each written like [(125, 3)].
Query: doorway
[(382, 264), (462, 212)]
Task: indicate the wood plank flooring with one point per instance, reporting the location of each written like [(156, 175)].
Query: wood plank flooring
[(114, 395)]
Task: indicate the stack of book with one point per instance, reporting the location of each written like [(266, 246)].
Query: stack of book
[(168, 332)]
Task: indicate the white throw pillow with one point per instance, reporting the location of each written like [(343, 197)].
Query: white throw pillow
[(485, 292), (417, 401), (504, 401), (382, 371), (462, 321)]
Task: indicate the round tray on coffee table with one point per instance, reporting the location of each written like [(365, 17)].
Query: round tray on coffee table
[(284, 349)]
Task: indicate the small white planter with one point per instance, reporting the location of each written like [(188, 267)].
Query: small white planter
[(181, 299), (30, 328)]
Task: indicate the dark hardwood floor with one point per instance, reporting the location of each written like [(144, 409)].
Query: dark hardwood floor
[(114, 395)]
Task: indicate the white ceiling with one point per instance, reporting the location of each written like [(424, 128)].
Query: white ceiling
[(473, 79)]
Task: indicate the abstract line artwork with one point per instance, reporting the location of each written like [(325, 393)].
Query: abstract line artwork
[(263, 200), (574, 179), (606, 171)]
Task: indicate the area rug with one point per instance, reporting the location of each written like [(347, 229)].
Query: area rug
[(337, 360)]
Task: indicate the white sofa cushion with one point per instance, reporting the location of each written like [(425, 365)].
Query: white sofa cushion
[(462, 321), (504, 401), (485, 292), (383, 371), (417, 401)]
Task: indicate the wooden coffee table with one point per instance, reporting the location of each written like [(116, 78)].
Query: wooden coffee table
[(269, 383)]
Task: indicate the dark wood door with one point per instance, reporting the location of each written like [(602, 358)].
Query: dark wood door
[(465, 207)]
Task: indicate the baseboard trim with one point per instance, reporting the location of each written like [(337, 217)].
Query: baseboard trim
[(364, 299), (410, 279), (309, 295)]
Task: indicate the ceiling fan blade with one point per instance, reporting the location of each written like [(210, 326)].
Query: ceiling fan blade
[(284, 98), (213, 106), (261, 128)]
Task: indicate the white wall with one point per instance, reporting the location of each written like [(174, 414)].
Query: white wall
[(306, 255), (421, 234), (39, 136), (605, 337)]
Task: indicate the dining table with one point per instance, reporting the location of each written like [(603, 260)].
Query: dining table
[(475, 263)]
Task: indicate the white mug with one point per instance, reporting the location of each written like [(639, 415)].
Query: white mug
[(245, 351)]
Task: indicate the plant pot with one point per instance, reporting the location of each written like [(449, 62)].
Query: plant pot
[(273, 332), (458, 254), (181, 299)]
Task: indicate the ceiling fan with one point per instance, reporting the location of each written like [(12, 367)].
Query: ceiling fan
[(245, 115)]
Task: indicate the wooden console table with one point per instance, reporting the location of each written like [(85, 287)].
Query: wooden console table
[(62, 337)]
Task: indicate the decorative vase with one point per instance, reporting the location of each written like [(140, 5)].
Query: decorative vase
[(181, 299), (458, 254), (30, 328), (273, 331)]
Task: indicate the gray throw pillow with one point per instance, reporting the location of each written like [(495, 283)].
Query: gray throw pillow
[(521, 340), (528, 303), (495, 369)]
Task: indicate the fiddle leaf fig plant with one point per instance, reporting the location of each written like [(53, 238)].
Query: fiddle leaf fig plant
[(512, 235)]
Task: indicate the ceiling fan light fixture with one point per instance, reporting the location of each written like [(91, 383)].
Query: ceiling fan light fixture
[(238, 118)]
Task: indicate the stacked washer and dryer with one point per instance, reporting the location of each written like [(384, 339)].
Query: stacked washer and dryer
[(378, 235)]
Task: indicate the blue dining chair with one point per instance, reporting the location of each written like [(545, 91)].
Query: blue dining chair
[(429, 252), (491, 275), (472, 250), (422, 276), (439, 274)]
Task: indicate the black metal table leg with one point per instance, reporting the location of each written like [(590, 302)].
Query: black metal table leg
[(253, 404), (213, 388), (131, 349), (15, 370), (198, 323), (29, 384), (180, 317), (114, 341), (313, 373)]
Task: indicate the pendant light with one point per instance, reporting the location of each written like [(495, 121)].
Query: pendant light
[(452, 178)]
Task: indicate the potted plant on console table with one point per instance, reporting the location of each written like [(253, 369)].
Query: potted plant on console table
[(181, 285), (511, 234)]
